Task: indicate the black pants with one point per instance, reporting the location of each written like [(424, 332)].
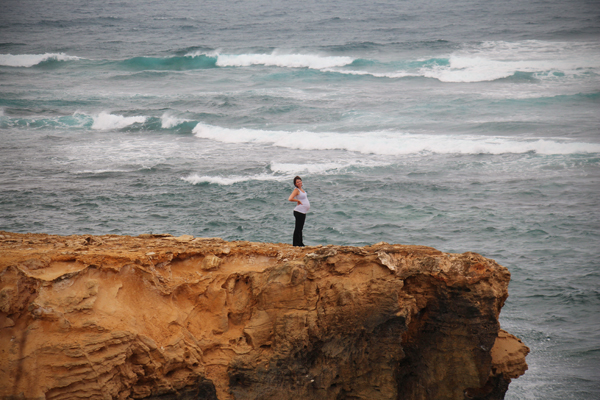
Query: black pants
[(300, 218)]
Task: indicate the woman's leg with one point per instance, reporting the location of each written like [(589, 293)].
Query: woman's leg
[(300, 218)]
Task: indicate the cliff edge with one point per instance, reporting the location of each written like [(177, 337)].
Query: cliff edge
[(161, 317)]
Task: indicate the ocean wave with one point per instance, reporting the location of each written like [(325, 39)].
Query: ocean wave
[(489, 61), (472, 69), (196, 179), (393, 143), (65, 122), (278, 172), (102, 121), (190, 61), (310, 61), (529, 60), (105, 121), (293, 169), (494, 60), (99, 171), (175, 63), (213, 59), (465, 69), (392, 75), (168, 121), (30, 60)]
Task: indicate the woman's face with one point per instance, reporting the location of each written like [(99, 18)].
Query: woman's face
[(298, 183)]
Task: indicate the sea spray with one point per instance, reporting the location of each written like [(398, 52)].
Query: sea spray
[(169, 121), (105, 121), (30, 60)]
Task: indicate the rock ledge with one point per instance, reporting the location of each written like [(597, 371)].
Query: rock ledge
[(165, 317)]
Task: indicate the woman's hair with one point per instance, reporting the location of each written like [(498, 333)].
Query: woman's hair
[(295, 179)]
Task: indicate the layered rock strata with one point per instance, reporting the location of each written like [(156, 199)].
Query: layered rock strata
[(159, 317)]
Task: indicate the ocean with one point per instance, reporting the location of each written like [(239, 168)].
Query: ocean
[(465, 126)]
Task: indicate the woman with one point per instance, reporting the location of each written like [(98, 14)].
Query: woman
[(299, 196)]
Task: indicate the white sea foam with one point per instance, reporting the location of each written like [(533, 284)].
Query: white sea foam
[(586, 53), (29, 60), (465, 69), (293, 169), (196, 179), (482, 62), (489, 61), (168, 121), (214, 53), (290, 169), (311, 61), (392, 75), (98, 171), (105, 121), (394, 143), (281, 172), (480, 69)]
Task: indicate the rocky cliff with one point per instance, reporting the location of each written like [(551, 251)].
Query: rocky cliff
[(160, 317)]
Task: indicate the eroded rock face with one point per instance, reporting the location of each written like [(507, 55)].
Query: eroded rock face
[(192, 318)]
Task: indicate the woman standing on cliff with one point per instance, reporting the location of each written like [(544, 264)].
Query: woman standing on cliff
[(299, 196)]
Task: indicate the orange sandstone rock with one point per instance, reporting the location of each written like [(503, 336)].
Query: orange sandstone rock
[(508, 356), (162, 317)]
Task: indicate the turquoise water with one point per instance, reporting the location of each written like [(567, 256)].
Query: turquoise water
[(466, 126)]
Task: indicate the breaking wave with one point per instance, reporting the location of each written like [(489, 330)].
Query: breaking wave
[(196, 179), (30, 60), (393, 143), (482, 62), (283, 60), (105, 121)]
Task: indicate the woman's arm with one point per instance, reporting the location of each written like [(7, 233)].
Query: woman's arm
[(293, 195)]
